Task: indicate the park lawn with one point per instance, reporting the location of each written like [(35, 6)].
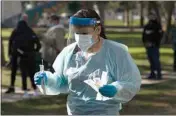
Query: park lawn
[(138, 54), (123, 36), (6, 32), (121, 23), (127, 38), (155, 99), (140, 57), (130, 35), (158, 99)]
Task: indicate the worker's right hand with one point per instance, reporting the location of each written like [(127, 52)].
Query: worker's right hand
[(38, 77)]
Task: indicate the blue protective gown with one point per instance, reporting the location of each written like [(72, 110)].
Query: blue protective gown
[(71, 69)]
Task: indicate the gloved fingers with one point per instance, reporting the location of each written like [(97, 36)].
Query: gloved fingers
[(107, 94), (38, 77), (37, 82), (36, 74), (104, 91), (43, 74), (108, 90)]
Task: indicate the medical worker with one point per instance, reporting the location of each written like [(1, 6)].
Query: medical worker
[(91, 57)]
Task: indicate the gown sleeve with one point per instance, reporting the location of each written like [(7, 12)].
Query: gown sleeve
[(127, 77)]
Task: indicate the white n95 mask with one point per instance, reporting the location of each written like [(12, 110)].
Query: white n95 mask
[(84, 42)]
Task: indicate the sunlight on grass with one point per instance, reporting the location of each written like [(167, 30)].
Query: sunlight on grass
[(120, 22), (139, 50), (5, 80), (136, 36), (6, 32), (44, 107), (152, 92), (142, 62), (5, 43)]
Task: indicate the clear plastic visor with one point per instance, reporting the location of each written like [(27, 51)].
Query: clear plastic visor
[(81, 26)]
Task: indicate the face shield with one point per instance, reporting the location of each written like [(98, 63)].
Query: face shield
[(82, 26)]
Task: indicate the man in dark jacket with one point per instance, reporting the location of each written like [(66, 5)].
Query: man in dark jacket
[(152, 35), (23, 44)]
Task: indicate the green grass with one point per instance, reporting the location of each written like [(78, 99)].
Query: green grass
[(158, 99), (5, 43), (120, 22), (140, 57), (124, 36), (114, 23), (5, 33), (5, 80), (153, 99), (135, 48), (46, 105), (138, 54)]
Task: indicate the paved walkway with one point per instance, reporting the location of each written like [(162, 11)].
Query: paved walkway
[(19, 93)]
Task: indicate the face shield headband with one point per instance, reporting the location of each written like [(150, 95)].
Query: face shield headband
[(83, 21)]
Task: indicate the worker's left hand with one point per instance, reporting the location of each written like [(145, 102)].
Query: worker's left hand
[(108, 90)]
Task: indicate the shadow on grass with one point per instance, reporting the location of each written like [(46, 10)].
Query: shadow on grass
[(152, 99), (143, 55), (169, 85), (40, 106)]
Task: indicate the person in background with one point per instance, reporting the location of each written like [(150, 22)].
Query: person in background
[(14, 57), (24, 43), (173, 36), (53, 42), (152, 35)]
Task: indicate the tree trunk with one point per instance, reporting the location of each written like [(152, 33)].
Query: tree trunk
[(157, 11), (153, 6), (124, 19), (170, 8), (131, 20), (87, 4), (101, 7), (169, 12), (127, 17), (141, 14)]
